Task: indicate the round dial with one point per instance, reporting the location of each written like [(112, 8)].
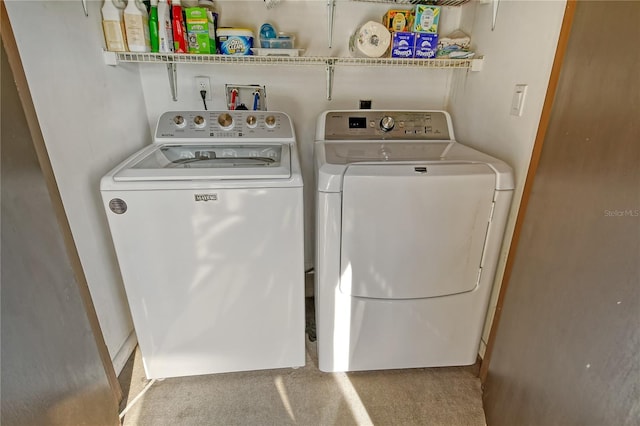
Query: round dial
[(270, 121), (252, 121), (225, 121), (387, 123), (179, 121), (199, 121)]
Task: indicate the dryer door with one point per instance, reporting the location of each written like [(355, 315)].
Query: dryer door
[(414, 231)]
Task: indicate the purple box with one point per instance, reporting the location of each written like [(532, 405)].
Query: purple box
[(402, 45), (426, 46)]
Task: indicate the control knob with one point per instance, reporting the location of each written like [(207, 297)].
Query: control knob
[(179, 121), (199, 121), (387, 123), (252, 121), (225, 121), (270, 121)]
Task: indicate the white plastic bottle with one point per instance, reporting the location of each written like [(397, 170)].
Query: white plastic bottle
[(165, 30), (136, 22), (113, 26)]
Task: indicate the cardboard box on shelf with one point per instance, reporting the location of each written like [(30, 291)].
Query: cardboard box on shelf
[(398, 19), (402, 44), (197, 30), (426, 45), (426, 19)]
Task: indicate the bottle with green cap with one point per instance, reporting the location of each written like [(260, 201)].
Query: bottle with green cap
[(153, 26)]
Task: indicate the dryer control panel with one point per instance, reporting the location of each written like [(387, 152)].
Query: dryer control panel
[(211, 125), (384, 125)]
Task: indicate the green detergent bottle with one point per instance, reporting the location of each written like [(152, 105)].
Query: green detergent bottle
[(153, 26)]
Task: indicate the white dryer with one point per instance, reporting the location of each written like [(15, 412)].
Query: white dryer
[(409, 225), (207, 224)]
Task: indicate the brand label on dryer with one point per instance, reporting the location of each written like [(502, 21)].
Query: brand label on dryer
[(206, 197)]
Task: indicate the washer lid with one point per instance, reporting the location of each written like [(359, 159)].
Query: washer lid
[(208, 161)]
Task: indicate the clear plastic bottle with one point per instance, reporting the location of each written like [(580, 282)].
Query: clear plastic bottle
[(136, 22), (113, 27)]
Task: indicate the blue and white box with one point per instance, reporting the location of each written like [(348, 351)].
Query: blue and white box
[(426, 19), (426, 46), (402, 45)]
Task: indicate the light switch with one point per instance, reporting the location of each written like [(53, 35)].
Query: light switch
[(517, 102)]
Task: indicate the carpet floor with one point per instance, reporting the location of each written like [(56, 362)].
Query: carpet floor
[(306, 396)]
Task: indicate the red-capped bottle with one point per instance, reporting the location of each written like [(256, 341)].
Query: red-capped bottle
[(179, 37)]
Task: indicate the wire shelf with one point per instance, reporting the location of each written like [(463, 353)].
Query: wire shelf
[(399, 62), (172, 59), (453, 3), (182, 58)]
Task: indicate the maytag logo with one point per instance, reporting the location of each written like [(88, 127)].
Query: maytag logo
[(206, 197)]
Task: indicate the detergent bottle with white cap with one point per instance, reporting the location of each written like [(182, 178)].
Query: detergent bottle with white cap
[(113, 25), (136, 21), (165, 27), (153, 26)]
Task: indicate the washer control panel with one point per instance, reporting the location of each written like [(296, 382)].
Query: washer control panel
[(238, 124), (379, 125)]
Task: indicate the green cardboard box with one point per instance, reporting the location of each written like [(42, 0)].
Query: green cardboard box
[(197, 30)]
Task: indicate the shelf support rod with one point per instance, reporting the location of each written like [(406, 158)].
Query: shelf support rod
[(331, 8), (330, 67), (173, 80)]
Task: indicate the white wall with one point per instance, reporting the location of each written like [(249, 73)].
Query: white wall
[(91, 116), (519, 51), (301, 90)]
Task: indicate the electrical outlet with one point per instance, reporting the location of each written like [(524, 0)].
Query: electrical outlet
[(203, 83)]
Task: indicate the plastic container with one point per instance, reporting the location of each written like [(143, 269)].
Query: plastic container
[(179, 29), (113, 27), (267, 31), (283, 41), (136, 22), (153, 26), (165, 28), (235, 41)]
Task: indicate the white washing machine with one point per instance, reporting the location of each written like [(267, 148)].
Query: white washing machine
[(207, 224), (408, 234)]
